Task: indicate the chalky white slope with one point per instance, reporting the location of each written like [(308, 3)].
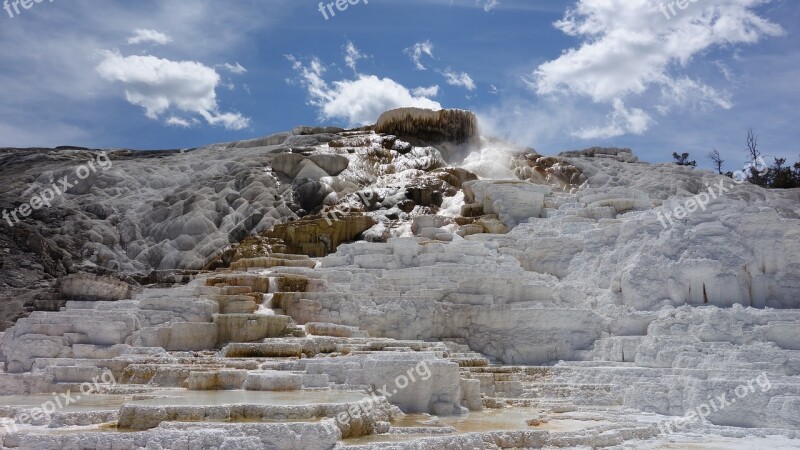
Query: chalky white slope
[(671, 316), (598, 261)]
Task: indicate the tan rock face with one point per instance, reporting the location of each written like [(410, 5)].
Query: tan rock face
[(274, 260), (320, 236), (455, 176), (249, 327), (312, 236), (216, 380), (291, 283), (548, 170), (251, 247), (86, 286), (257, 283), (329, 329)]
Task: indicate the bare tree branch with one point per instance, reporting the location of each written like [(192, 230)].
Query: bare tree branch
[(752, 145), (716, 158)]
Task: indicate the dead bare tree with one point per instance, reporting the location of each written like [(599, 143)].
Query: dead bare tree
[(752, 145), (716, 158), (755, 177)]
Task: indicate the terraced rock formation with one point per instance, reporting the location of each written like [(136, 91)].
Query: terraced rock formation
[(353, 289)]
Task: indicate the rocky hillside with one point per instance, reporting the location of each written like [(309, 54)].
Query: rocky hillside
[(146, 217), (149, 217)]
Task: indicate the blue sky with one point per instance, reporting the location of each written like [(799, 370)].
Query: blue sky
[(555, 75)]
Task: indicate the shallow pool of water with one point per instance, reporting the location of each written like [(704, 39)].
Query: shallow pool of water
[(506, 419), (183, 397), (75, 403)]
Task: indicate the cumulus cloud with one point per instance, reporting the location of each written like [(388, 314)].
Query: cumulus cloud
[(359, 101), (459, 79), (417, 51), (145, 36), (629, 48), (158, 85), (352, 55)]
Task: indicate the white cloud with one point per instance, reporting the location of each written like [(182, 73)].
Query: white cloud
[(488, 5), (417, 51), (459, 79), (358, 101), (158, 84), (229, 120), (684, 90), (235, 69), (629, 47), (724, 70), (352, 55), (176, 121), (144, 36), (431, 91), (621, 121), (71, 95)]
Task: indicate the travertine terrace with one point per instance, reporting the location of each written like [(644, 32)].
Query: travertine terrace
[(423, 299)]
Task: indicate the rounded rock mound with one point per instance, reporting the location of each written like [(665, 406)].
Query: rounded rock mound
[(447, 125)]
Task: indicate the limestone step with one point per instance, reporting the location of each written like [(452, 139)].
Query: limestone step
[(214, 380), (593, 394), (272, 261), (164, 375), (236, 304), (76, 377), (272, 380), (466, 361), (617, 348), (263, 350), (236, 290), (249, 327), (140, 417), (330, 329), (297, 331)]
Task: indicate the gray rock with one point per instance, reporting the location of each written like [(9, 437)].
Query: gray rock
[(330, 163), (275, 139)]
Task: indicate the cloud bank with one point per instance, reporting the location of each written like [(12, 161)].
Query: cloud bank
[(158, 85), (630, 48)]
